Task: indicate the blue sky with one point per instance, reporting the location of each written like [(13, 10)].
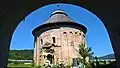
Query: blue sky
[(96, 36)]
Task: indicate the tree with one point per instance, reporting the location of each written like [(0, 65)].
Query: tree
[(20, 54), (84, 52)]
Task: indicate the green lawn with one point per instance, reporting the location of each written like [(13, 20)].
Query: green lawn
[(19, 66)]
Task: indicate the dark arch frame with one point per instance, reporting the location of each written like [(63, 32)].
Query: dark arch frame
[(12, 12)]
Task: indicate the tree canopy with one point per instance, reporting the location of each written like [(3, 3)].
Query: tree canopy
[(20, 54)]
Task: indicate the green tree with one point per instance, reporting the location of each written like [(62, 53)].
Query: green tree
[(20, 54), (85, 52)]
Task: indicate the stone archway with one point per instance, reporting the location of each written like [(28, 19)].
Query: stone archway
[(15, 11)]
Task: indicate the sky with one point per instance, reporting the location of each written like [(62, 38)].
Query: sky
[(96, 36)]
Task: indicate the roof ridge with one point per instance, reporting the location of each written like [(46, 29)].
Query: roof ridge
[(58, 16)]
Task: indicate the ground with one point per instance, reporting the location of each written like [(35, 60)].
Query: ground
[(19, 65)]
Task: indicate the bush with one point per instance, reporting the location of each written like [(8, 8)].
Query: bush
[(39, 66), (55, 66), (68, 66), (32, 65), (16, 62)]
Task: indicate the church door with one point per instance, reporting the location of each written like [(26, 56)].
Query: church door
[(49, 57)]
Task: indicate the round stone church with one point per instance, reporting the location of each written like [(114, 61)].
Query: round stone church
[(57, 40)]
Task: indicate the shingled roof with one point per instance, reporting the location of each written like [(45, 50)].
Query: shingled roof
[(59, 17)]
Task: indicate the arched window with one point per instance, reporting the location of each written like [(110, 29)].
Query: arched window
[(53, 39), (79, 33), (64, 32), (71, 33), (41, 41), (76, 33), (53, 45)]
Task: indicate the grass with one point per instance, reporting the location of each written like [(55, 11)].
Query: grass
[(19, 66)]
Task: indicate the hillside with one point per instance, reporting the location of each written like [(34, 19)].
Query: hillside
[(28, 55), (20, 54), (109, 56)]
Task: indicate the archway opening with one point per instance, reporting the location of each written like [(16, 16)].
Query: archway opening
[(50, 58), (85, 17)]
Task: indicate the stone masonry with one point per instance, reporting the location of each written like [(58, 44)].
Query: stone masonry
[(57, 40)]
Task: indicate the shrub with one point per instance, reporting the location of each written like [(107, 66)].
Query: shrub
[(55, 66), (32, 65), (68, 66), (16, 62)]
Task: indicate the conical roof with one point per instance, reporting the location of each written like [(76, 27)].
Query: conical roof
[(58, 19), (59, 16)]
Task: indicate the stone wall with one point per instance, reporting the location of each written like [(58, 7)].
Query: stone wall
[(66, 40)]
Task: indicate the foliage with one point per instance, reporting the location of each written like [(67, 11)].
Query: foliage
[(84, 52), (18, 66), (55, 66), (68, 66), (20, 54), (15, 62), (39, 66), (32, 64)]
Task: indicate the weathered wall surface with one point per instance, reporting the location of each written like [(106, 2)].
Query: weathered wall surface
[(66, 37)]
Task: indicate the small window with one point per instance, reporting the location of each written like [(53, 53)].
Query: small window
[(53, 45), (76, 33), (53, 39), (64, 32), (41, 41), (71, 33), (79, 33)]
